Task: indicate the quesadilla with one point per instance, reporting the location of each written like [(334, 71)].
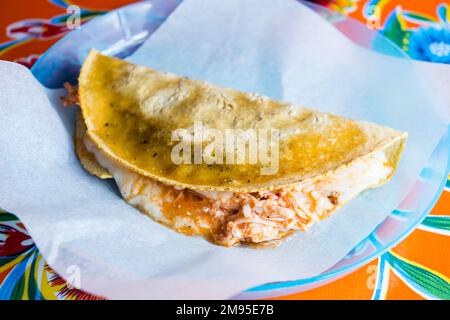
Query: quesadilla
[(133, 118)]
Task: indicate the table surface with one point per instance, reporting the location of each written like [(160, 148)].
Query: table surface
[(417, 268)]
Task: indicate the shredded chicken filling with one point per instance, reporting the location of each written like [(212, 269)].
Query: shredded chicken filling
[(229, 218)]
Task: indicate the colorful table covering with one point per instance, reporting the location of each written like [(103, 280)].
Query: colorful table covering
[(417, 268)]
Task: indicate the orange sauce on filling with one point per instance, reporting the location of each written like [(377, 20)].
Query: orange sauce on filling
[(183, 204)]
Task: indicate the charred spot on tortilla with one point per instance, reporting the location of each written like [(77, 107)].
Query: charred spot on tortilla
[(129, 113)]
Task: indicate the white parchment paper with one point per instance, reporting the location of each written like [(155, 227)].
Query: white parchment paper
[(278, 48)]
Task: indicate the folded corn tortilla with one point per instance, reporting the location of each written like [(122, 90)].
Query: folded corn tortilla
[(125, 131)]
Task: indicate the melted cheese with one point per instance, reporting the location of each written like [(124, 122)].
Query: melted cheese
[(232, 218)]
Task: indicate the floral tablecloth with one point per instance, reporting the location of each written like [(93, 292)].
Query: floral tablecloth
[(417, 268)]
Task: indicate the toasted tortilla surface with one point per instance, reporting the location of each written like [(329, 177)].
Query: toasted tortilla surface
[(131, 112)]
